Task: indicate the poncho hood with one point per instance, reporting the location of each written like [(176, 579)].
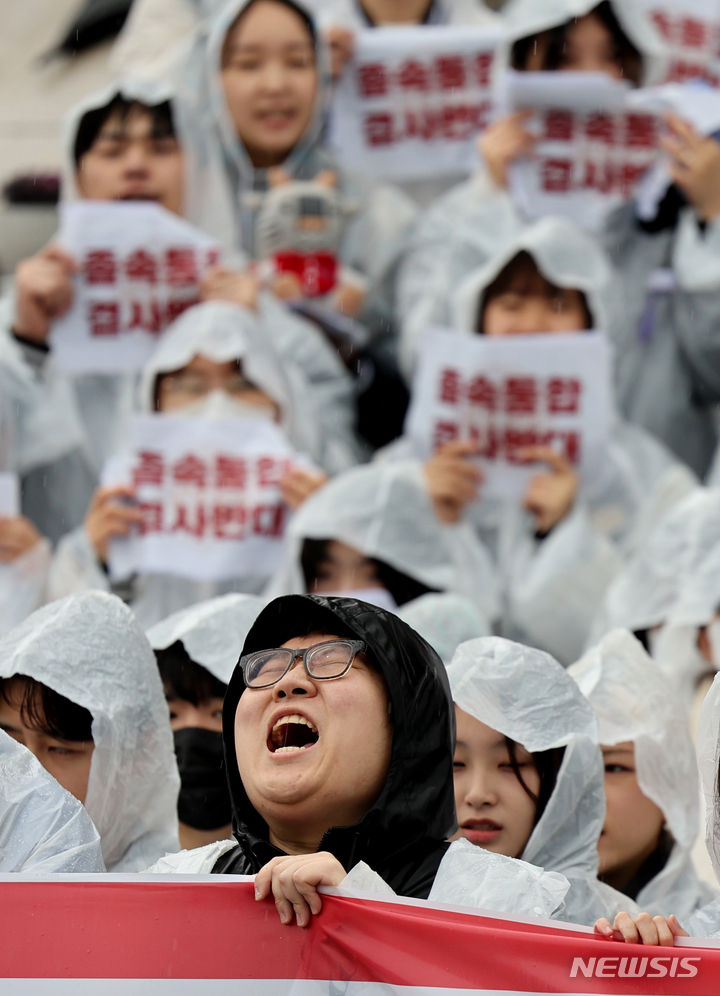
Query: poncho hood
[(529, 17), (563, 253), (307, 158), (222, 332), (527, 696), (206, 202), (382, 510), (212, 632), (89, 648)]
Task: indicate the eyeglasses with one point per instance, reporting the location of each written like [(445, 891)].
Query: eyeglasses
[(191, 383), (322, 662)]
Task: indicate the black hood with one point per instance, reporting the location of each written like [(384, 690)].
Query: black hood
[(416, 805)]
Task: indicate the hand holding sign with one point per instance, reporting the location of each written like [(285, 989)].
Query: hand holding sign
[(110, 516), (504, 141), (294, 882), (452, 480), (341, 42), (17, 536), (549, 496), (695, 165), (223, 284), (644, 929), (43, 291), (299, 483)]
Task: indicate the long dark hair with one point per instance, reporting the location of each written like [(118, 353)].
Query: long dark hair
[(547, 764), (553, 42), (401, 586)]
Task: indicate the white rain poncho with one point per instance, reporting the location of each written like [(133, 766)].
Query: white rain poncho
[(346, 13), (49, 444), (70, 425), (671, 587), (527, 696), (445, 620), (23, 580), (550, 588), (212, 632), (221, 332), (383, 511), (106, 400), (373, 237), (665, 305), (43, 829), (205, 203), (631, 701), (706, 922), (529, 17), (90, 649)]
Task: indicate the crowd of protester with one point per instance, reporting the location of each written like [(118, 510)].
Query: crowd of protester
[(468, 698)]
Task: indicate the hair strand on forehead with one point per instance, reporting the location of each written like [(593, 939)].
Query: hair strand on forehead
[(521, 275), (45, 710)]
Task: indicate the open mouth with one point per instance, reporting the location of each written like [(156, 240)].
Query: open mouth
[(291, 733), (277, 118), (481, 831)]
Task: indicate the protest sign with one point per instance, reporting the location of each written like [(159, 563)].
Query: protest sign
[(690, 30), (114, 935), (511, 392), (413, 100), (209, 490), (139, 268), (593, 147)]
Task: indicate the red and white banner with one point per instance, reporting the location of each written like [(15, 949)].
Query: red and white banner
[(511, 392), (413, 100), (691, 31), (117, 935), (592, 146), (209, 490), (139, 267)]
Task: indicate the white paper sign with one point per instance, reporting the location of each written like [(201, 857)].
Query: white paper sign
[(509, 392), (593, 147), (9, 495), (414, 99), (690, 30), (139, 268), (209, 491)]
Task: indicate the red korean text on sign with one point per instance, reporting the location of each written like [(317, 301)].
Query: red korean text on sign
[(100, 267), (149, 469), (191, 470), (104, 318), (372, 80)]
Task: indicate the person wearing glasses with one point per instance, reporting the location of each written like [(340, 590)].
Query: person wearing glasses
[(338, 731), (214, 361)]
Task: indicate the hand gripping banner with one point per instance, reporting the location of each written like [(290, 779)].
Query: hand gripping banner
[(130, 935)]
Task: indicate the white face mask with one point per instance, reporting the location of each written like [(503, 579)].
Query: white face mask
[(219, 404), (380, 597)]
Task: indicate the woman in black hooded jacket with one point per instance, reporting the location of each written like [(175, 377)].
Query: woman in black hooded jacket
[(402, 835)]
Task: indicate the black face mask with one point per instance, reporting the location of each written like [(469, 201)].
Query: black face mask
[(204, 800)]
